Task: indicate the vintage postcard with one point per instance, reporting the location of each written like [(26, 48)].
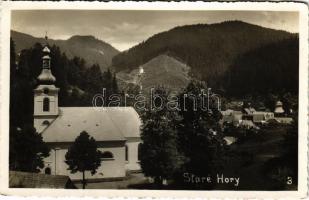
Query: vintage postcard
[(154, 99)]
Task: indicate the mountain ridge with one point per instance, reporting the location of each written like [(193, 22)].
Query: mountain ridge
[(210, 49), (93, 50)]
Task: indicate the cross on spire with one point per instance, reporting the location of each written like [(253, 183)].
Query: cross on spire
[(46, 37)]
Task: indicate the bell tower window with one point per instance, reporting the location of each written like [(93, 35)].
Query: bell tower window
[(45, 91), (46, 105), (46, 64)]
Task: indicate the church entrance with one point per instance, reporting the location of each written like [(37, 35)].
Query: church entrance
[(47, 170)]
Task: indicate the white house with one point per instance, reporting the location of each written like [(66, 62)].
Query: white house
[(262, 116), (116, 130), (231, 116)]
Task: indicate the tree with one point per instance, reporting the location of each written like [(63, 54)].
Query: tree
[(83, 155), (201, 138), (115, 85), (290, 103), (27, 149), (160, 156), (108, 82), (14, 93), (93, 79), (21, 86)]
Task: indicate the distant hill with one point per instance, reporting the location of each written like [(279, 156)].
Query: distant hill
[(209, 49), (162, 70), (94, 51)]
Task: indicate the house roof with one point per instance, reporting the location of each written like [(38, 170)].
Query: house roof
[(273, 120), (247, 123), (35, 180), (230, 140), (103, 124)]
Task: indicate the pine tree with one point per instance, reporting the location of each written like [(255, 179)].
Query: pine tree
[(93, 79), (83, 155), (107, 81), (115, 85)]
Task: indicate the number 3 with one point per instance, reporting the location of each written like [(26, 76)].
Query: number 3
[(289, 180)]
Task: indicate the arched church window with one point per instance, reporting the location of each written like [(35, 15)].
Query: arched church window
[(45, 122), (126, 153), (139, 151), (46, 104), (47, 170), (107, 155)]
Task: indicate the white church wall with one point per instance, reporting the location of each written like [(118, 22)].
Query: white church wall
[(133, 163), (115, 167), (110, 168)]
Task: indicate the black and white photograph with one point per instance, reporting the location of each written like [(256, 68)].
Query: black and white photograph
[(141, 99)]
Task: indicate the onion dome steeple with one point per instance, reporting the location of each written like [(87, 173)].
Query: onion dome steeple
[(46, 77), (279, 108)]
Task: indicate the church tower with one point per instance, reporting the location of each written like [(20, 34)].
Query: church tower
[(279, 109), (45, 95)]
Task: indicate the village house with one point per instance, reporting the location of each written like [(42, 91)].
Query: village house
[(231, 116), (116, 130), (262, 116), (248, 117)]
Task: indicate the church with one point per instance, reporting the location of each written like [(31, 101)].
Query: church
[(116, 130)]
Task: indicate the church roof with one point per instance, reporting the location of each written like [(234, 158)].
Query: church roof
[(103, 124), (127, 120)]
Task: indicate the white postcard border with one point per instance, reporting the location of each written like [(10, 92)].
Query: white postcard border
[(302, 8)]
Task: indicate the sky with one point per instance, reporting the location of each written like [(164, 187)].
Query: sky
[(124, 29)]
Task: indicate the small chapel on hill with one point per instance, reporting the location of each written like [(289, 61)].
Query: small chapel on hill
[(116, 130)]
